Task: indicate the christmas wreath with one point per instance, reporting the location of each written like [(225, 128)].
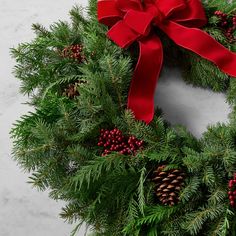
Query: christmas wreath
[(123, 169)]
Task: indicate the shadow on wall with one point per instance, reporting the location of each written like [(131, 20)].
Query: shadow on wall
[(196, 108)]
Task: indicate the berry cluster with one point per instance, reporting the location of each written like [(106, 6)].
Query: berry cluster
[(75, 52), (223, 18), (115, 141), (232, 191), (228, 25)]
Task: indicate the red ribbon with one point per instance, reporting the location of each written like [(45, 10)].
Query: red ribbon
[(132, 20)]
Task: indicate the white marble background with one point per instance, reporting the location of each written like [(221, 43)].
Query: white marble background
[(23, 210)]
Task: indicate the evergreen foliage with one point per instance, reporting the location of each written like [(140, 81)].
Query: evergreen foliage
[(114, 194)]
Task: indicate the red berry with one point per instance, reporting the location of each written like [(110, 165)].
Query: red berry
[(231, 183)]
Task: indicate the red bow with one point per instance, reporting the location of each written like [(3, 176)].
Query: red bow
[(132, 20)]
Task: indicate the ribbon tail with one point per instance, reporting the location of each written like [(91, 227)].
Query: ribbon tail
[(202, 44), (142, 89)]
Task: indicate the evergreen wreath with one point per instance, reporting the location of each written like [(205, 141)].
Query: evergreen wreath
[(116, 173)]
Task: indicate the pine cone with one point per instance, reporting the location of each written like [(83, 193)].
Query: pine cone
[(168, 185), (71, 91)]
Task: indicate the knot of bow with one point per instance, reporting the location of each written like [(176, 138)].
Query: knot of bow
[(180, 20)]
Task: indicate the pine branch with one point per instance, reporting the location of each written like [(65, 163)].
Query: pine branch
[(141, 196)]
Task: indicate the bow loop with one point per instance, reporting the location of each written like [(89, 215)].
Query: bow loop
[(139, 21), (171, 8), (126, 5), (108, 13), (158, 16), (190, 14)]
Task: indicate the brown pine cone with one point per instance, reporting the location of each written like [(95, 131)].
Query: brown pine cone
[(71, 91), (168, 185)]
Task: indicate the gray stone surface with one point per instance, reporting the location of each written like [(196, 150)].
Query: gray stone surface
[(23, 210)]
